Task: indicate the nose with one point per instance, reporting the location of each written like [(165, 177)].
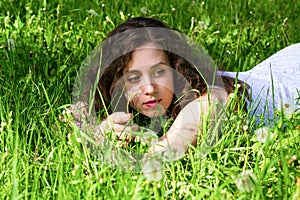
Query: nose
[(148, 87)]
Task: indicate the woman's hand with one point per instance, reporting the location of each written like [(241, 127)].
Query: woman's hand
[(117, 126), (120, 125), (81, 114), (175, 142)]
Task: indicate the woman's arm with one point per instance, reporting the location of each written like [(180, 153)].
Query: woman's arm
[(188, 125)]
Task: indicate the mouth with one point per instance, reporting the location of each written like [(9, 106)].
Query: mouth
[(152, 103)]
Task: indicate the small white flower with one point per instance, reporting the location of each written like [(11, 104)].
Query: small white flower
[(132, 93), (3, 124), (67, 112), (153, 170), (101, 180), (93, 12), (202, 24), (292, 159), (237, 86), (231, 95), (246, 181), (224, 191), (288, 107), (79, 140), (122, 15), (144, 10), (263, 134)]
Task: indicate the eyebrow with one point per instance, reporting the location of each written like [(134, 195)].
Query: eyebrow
[(155, 65)]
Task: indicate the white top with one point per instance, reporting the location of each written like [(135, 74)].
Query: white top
[(275, 82)]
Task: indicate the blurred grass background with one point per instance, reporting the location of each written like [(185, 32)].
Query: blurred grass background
[(42, 45)]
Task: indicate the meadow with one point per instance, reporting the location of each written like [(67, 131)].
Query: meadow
[(42, 46)]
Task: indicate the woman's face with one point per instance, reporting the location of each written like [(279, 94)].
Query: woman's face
[(149, 81)]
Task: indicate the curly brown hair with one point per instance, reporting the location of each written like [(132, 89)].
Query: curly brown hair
[(196, 71)]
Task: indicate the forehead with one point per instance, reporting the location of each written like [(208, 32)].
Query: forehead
[(147, 55)]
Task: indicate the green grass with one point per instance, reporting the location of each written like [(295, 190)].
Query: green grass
[(42, 46)]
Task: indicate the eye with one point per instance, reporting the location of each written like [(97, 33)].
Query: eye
[(158, 72), (133, 78)]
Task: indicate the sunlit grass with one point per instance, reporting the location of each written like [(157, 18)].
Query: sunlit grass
[(42, 45)]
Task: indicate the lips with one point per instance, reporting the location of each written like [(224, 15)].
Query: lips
[(152, 103)]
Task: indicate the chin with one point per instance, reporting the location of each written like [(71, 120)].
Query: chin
[(155, 112)]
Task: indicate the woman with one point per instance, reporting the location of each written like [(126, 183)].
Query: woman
[(146, 72)]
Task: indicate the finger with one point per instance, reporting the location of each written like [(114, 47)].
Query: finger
[(125, 132), (120, 117), (107, 126), (79, 109), (146, 140), (125, 128)]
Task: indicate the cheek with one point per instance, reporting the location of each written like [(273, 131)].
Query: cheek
[(166, 83), (170, 82), (168, 86), (167, 94)]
